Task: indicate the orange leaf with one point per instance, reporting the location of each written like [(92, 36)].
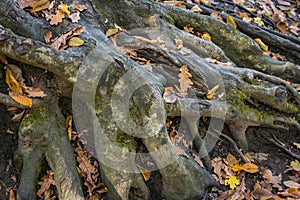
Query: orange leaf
[(145, 173), (21, 99), (231, 21), (210, 94), (249, 167), (57, 18), (3, 59), (206, 36), (48, 36), (111, 31), (69, 126), (40, 5), (80, 7), (13, 83)]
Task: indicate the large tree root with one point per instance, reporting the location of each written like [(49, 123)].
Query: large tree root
[(42, 135), (126, 102)]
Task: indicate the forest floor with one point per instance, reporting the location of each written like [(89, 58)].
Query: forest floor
[(275, 167)]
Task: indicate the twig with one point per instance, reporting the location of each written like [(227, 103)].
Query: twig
[(277, 142), (233, 143)]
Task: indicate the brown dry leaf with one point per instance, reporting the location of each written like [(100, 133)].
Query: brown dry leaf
[(184, 79), (111, 31), (210, 94), (18, 116), (34, 92), (178, 43), (57, 18), (84, 163), (188, 29), (75, 42), (206, 36), (290, 192), (249, 167), (231, 160), (64, 8), (173, 3), (196, 9), (169, 95), (21, 99), (239, 2), (13, 83), (217, 164), (45, 184), (270, 179), (40, 5), (215, 15), (294, 28), (48, 36), (230, 20), (25, 3), (69, 126), (291, 184), (80, 8), (295, 143), (75, 17), (145, 173), (262, 194), (3, 59)]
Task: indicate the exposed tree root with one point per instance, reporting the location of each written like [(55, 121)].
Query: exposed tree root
[(117, 100)]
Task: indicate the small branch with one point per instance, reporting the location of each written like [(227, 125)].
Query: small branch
[(234, 145), (7, 100), (276, 142)]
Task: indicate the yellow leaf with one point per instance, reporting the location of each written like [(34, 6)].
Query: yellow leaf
[(249, 167), (13, 83), (296, 165), (236, 168), (69, 126), (261, 44), (206, 36), (295, 143), (75, 42), (232, 181), (40, 5), (212, 92), (64, 8), (231, 21), (23, 100), (258, 21)]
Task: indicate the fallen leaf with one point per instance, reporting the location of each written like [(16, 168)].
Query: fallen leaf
[(75, 42), (212, 92), (231, 160), (230, 20), (249, 167), (262, 194), (45, 183), (12, 195), (34, 92), (80, 8), (291, 184), (75, 17), (40, 5), (64, 8), (57, 18), (18, 117), (169, 95), (178, 43), (232, 181), (13, 83), (21, 99), (239, 2), (295, 143), (184, 79), (196, 9), (69, 126), (25, 3), (48, 36), (206, 36), (295, 165), (269, 178), (145, 173), (111, 31), (261, 44), (3, 59), (291, 192), (258, 21)]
